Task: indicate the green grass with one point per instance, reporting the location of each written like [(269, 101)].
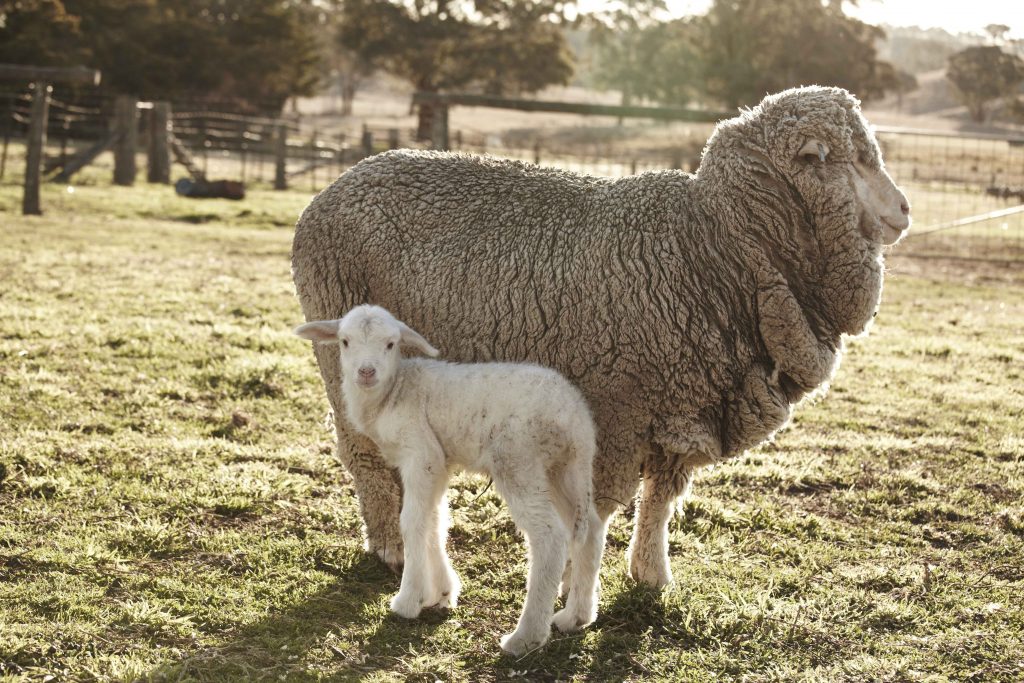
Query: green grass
[(170, 508)]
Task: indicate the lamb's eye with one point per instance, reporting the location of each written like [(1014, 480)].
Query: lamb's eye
[(344, 342), (391, 345)]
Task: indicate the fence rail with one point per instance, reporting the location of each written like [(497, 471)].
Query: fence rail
[(967, 191)]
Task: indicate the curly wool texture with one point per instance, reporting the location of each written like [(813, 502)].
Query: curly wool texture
[(693, 311)]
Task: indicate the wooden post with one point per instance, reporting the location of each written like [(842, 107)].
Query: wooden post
[(159, 162), (243, 146), (314, 159), (536, 152), (281, 157), (125, 122), (7, 136), (36, 143), (65, 130), (439, 137), (393, 142), (367, 142)]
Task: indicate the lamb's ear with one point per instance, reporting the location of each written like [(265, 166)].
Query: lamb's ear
[(412, 338), (323, 331), (814, 148)]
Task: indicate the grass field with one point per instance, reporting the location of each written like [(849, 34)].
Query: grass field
[(170, 508)]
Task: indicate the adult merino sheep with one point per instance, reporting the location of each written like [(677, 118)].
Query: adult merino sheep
[(693, 311)]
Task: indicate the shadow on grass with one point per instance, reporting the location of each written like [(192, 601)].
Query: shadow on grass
[(275, 647)]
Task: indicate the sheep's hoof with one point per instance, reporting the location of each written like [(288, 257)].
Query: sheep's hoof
[(392, 557), (654, 574), (566, 621), (517, 644)]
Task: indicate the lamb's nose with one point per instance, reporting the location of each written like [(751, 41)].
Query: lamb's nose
[(905, 207), (367, 372)]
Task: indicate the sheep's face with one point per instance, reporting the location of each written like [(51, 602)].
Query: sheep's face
[(368, 339), (820, 140)]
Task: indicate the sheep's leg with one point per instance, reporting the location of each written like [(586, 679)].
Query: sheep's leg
[(424, 487), (446, 584), (548, 541), (665, 480), (377, 486)]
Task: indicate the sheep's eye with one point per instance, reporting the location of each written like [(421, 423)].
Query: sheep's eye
[(391, 345), (344, 342)]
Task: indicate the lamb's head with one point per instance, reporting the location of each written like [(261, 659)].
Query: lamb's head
[(368, 339), (815, 141)]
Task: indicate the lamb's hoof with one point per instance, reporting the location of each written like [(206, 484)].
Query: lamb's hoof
[(517, 644), (450, 598), (405, 606), (654, 574), (566, 621)]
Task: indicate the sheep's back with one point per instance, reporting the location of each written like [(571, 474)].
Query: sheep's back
[(605, 281)]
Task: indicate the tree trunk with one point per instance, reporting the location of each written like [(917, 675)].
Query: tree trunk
[(348, 93), (425, 124)]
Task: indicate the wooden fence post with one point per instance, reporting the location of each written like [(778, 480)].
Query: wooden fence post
[(36, 145), (125, 122), (367, 142), (159, 162), (439, 136), (393, 142), (281, 157)]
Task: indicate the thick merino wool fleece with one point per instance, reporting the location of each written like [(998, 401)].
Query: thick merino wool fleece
[(692, 310)]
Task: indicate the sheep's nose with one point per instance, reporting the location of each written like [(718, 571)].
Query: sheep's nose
[(905, 207), (367, 372)]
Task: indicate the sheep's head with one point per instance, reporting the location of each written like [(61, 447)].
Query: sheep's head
[(822, 141), (368, 339), (816, 141)]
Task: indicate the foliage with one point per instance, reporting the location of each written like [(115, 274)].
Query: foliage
[(37, 32), (982, 74), (172, 509), (499, 46), (753, 47), (739, 51), (627, 44), (254, 50)]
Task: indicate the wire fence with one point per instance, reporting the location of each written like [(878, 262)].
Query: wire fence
[(967, 191)]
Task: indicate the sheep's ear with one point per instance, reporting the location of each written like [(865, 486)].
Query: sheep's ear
[(814, 148), (412, 338), (323, 331)]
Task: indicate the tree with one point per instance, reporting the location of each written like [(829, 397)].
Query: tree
[(38, 32), (997, 31), (258, 51), (753, 47), (905, 82), (623, 38), (982, 74), (498, 46)]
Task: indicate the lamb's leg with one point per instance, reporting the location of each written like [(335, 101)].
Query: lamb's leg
[(548, 542), (377, 485), (586, 549), (446, 584), (665, 480), (424, 487)]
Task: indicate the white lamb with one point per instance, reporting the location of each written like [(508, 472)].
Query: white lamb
[(525, 426)]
